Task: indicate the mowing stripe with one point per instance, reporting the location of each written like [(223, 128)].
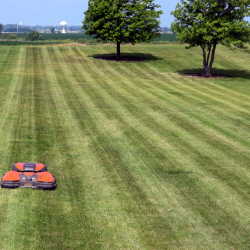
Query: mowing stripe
[(141, 160), (9, 198), (192, 139), (94, 190), (166, 95), (121, 163), (210, 132), (116, 93), (104, 105), (71, 188), (88, 128)]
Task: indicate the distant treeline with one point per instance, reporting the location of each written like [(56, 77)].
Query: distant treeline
[(23, 30)]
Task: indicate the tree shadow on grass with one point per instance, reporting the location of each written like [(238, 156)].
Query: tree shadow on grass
[(128, 57), (231, 73)]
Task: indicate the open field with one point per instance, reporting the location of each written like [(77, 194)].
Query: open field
[(56, 36), (76, 36), (144, 157)]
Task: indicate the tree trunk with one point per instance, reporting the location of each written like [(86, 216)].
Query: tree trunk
[(118, 55), (208, 72), (212, 59), (208, 68), (208, 56), (204, 59)]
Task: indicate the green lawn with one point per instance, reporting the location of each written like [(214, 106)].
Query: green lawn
[(144, 157)]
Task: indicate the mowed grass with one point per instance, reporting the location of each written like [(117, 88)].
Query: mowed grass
[(144, 157)]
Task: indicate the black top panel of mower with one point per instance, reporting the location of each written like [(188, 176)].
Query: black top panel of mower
[(29, 167)]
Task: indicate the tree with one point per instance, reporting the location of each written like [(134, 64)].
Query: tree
[(34, 36), (1, 28), (13, 36), (129, 21), (206, 23), (53, 30)]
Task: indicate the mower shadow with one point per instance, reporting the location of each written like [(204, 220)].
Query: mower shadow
[(146, 57), (232, 73)]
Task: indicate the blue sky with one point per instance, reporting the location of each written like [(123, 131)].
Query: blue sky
[(51, 12)]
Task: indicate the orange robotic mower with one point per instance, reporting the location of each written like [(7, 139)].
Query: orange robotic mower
[(29, 175)]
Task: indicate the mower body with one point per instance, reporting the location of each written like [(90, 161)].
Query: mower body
[(29, 175)]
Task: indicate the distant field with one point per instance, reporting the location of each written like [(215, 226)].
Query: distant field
[(75, 37), (59, 36), (144, 157), (17, 43), (167, 37)]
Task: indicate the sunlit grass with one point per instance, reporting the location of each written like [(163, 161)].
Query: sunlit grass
[(144, 157)]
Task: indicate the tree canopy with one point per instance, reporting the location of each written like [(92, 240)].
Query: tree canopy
[(53, 30), (129, 21), (206, 23), (34, 36)]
